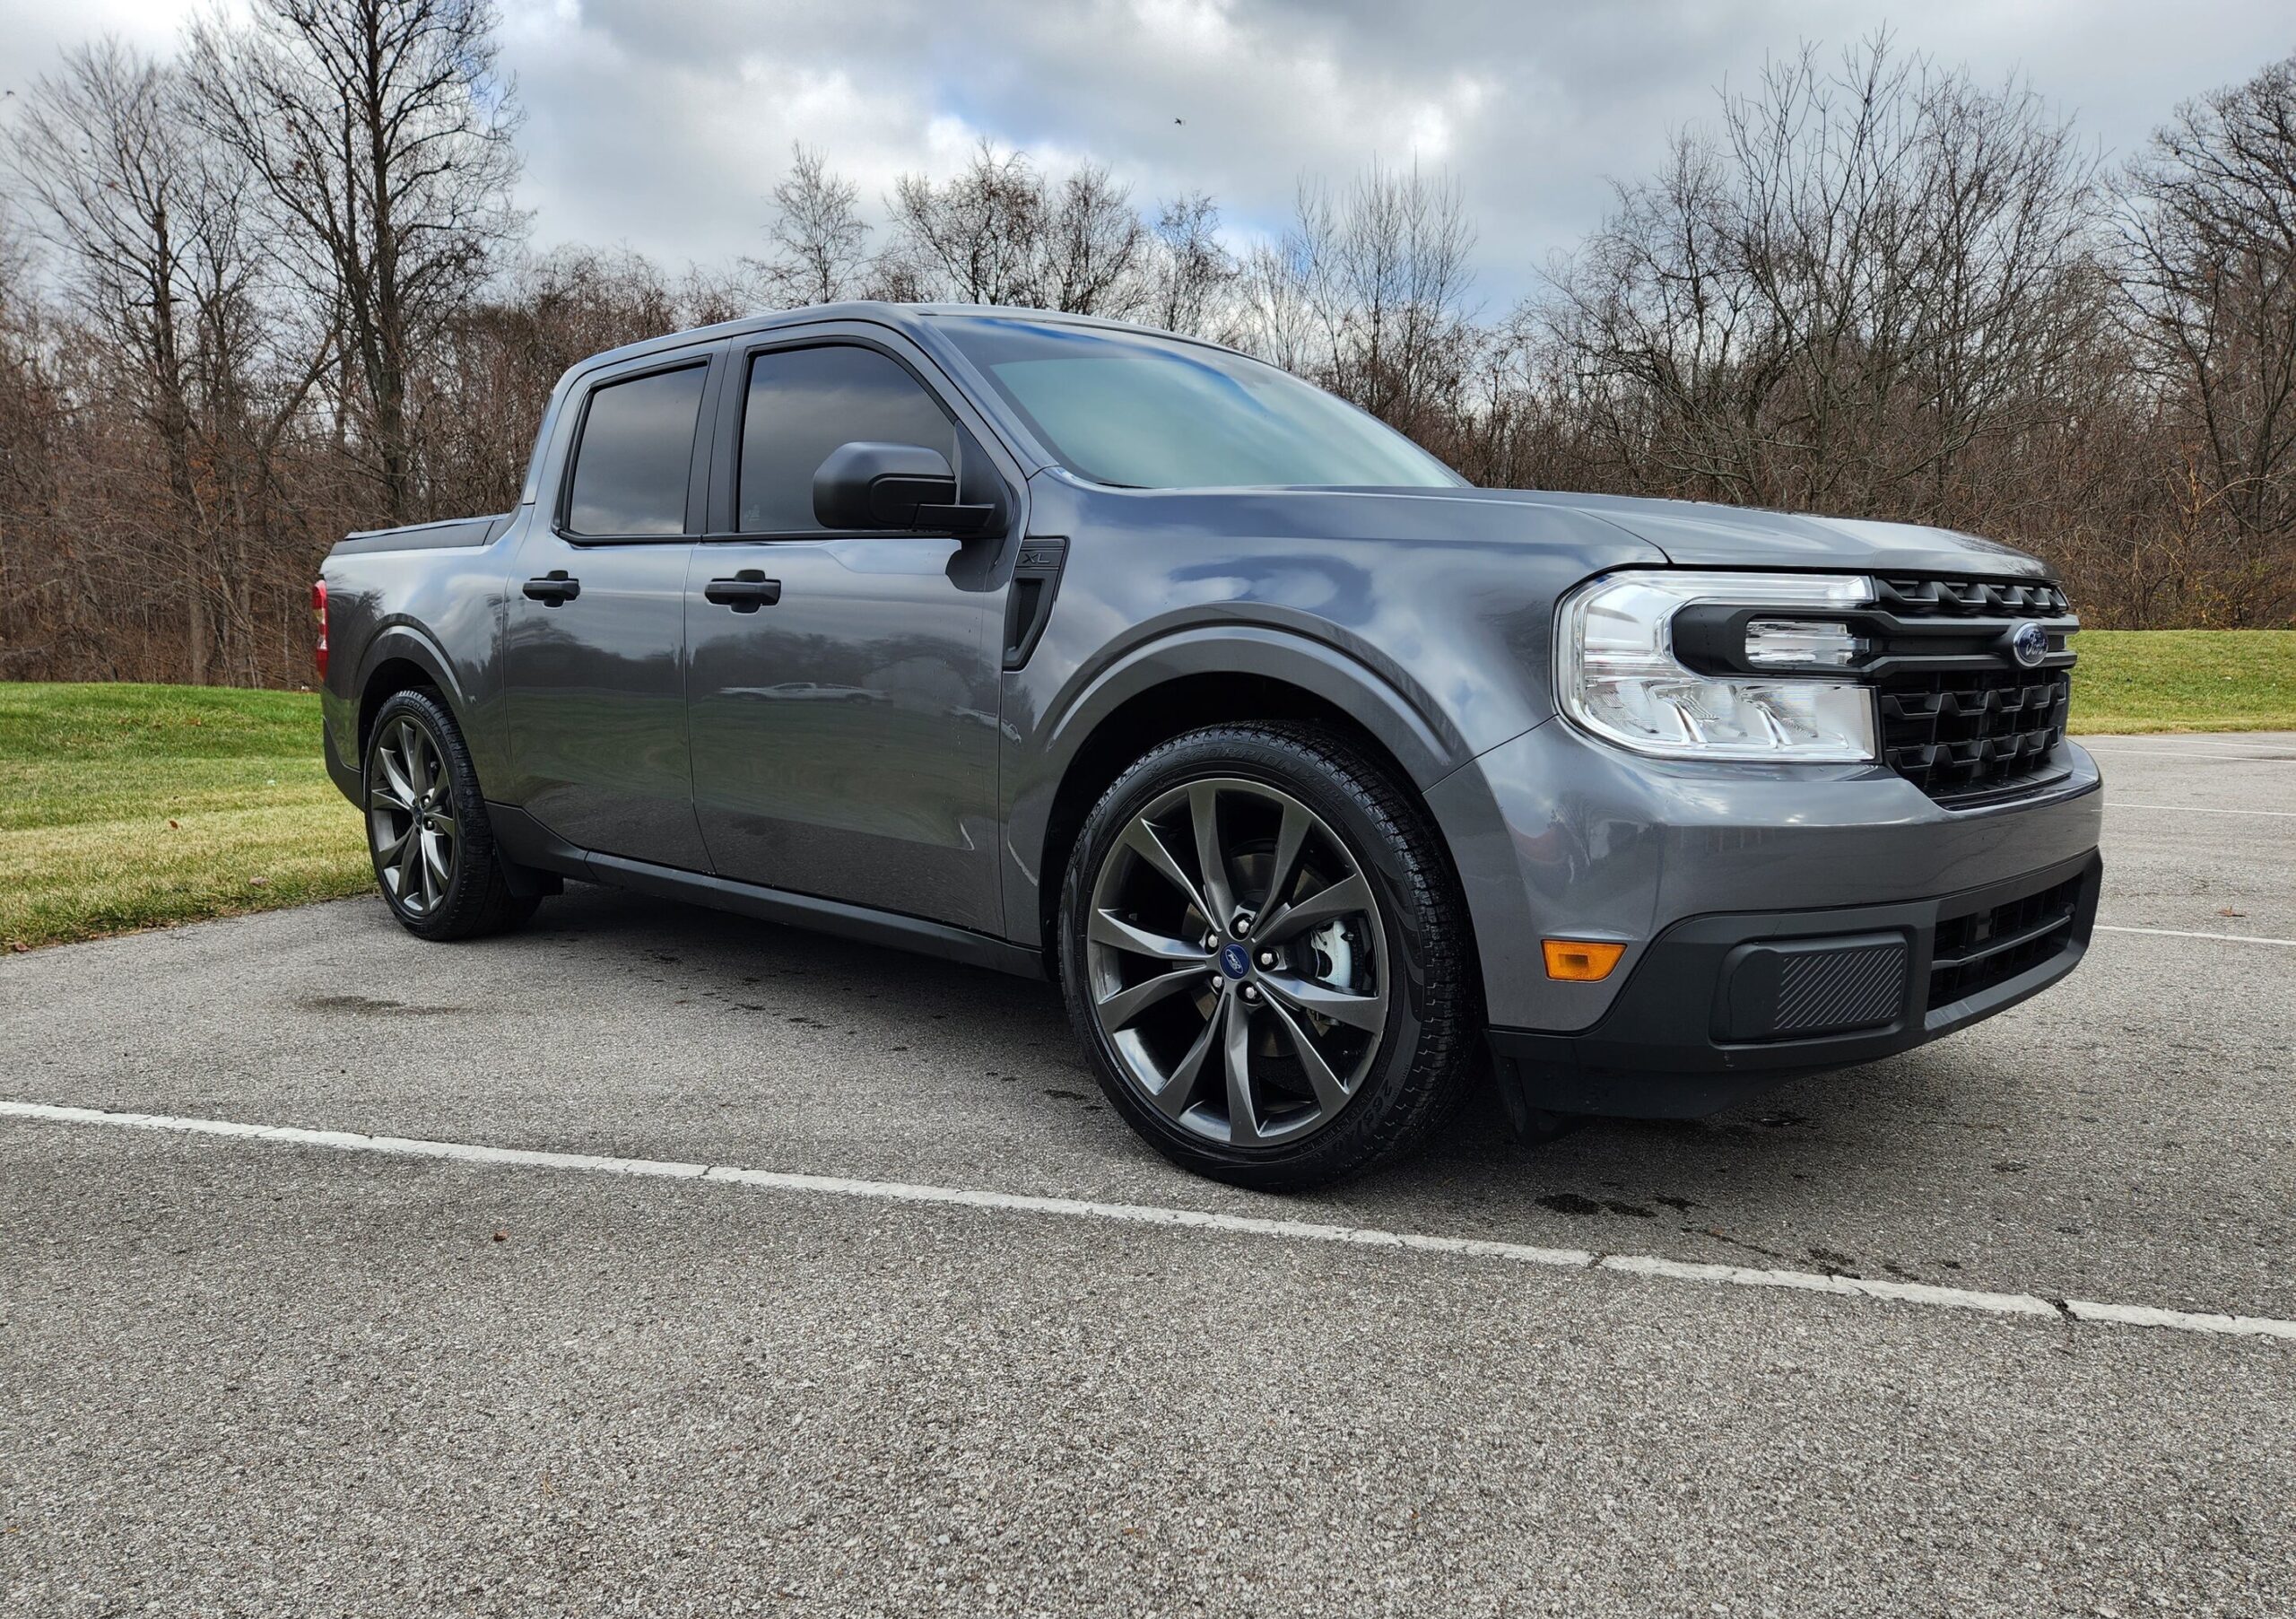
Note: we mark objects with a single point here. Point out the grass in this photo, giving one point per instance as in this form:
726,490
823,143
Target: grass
131,806
2185,680
126,807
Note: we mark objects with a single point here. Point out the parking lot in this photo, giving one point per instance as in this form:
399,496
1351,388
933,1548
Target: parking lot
817,1279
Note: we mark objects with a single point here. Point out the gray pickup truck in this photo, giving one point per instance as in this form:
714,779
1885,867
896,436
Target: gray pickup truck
1309,773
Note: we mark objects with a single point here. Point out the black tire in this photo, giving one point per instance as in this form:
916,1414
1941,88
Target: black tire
473,898
1419,1069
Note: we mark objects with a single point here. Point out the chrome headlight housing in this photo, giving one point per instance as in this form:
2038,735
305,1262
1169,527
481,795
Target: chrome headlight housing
1619,675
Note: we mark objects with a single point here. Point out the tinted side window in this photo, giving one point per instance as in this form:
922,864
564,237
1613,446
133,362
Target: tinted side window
637,449
805,403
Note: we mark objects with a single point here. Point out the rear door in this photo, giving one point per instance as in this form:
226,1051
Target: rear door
594,648
844,731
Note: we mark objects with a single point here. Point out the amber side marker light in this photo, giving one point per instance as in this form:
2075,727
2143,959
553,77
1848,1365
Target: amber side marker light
1580,960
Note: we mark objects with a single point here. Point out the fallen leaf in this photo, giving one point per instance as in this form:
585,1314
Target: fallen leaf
258,882
501,1236
172,826
2229,911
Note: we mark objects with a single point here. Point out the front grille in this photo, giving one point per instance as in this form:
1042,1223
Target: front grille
1960,719
1973,952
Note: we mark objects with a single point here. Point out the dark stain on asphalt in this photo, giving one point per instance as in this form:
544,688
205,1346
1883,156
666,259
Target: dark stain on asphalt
367,1006
1571,1203
1066,1095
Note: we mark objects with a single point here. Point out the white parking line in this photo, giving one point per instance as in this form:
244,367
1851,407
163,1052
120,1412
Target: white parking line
1132,1213
2178,933
2199,809
2212,745
2284,757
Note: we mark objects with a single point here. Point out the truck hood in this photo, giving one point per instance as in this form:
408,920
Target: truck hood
1698,534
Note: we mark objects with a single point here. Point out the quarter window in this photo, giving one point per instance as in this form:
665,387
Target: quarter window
803,404
636,453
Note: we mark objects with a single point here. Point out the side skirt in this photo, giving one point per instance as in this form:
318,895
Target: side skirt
527,841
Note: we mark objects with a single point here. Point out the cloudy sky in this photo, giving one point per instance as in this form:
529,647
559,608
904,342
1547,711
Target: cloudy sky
663,123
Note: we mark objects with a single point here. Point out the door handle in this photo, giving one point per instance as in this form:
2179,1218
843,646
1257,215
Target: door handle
554,589
745,592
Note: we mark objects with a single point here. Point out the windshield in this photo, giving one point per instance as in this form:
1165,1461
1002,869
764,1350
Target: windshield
1143,411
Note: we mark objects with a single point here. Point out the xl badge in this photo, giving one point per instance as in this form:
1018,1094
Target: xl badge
2029,644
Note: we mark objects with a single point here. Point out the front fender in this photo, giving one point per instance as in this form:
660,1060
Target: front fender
1422,741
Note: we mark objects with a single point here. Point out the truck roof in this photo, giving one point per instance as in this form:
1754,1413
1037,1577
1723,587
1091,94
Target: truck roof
910,318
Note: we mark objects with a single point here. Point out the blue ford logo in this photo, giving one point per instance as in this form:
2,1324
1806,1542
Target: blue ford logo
1235,960
2029,644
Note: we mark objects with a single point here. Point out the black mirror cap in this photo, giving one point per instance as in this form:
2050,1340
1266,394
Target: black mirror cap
871,486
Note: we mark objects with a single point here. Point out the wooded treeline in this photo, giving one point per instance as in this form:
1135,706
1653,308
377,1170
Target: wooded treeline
274,287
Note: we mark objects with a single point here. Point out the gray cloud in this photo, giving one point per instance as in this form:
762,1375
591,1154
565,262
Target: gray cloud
663,123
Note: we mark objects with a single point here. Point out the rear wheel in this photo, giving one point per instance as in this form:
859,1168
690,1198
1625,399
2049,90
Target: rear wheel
426,831
1264,953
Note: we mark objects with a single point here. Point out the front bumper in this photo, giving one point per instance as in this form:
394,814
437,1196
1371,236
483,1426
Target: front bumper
1721,1008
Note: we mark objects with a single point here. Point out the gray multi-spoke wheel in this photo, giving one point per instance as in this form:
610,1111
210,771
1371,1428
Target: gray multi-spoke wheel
434,853
1262,950
410,817
1245,989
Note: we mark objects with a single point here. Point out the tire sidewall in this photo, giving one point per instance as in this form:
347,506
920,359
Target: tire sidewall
1314,775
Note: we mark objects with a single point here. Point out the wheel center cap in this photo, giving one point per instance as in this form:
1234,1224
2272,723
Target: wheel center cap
1235,960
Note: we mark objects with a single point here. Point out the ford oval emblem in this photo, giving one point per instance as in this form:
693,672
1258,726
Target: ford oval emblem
1235,960
2029,644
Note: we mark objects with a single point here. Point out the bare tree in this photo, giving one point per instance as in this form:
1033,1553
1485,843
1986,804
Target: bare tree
1094,251
1000,232
146,231
2210,278
1191,274
975,239
1367,293
1828,304
381,135
821,240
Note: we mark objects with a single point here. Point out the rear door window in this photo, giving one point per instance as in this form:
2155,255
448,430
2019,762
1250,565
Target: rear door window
631,468
802,404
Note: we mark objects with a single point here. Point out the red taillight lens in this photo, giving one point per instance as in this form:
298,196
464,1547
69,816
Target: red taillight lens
318,612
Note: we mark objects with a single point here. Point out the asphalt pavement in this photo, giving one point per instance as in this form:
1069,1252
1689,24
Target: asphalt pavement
938,1336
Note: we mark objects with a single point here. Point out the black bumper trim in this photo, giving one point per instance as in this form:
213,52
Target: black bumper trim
1657,1052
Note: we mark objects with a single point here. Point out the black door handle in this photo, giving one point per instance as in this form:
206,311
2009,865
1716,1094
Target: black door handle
554,589
745,592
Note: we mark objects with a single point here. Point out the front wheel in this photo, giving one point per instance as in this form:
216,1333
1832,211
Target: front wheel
427,829
1266,955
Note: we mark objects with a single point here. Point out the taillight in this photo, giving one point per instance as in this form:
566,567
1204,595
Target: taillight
319,613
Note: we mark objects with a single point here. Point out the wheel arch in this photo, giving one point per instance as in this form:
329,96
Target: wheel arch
1183,685
400,660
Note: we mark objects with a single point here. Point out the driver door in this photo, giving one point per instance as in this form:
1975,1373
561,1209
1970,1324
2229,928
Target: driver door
842,687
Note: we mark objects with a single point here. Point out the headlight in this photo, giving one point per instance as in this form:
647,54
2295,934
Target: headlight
1617,672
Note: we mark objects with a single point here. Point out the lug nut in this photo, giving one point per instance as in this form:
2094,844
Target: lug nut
1241,926
1267,958
1251,992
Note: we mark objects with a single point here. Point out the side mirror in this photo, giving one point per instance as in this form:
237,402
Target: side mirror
870,485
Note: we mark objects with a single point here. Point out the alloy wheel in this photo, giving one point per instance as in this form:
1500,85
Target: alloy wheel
1236,964
410,817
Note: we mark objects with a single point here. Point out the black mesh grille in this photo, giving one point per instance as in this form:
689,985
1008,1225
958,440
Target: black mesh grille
1972,733
1973,952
